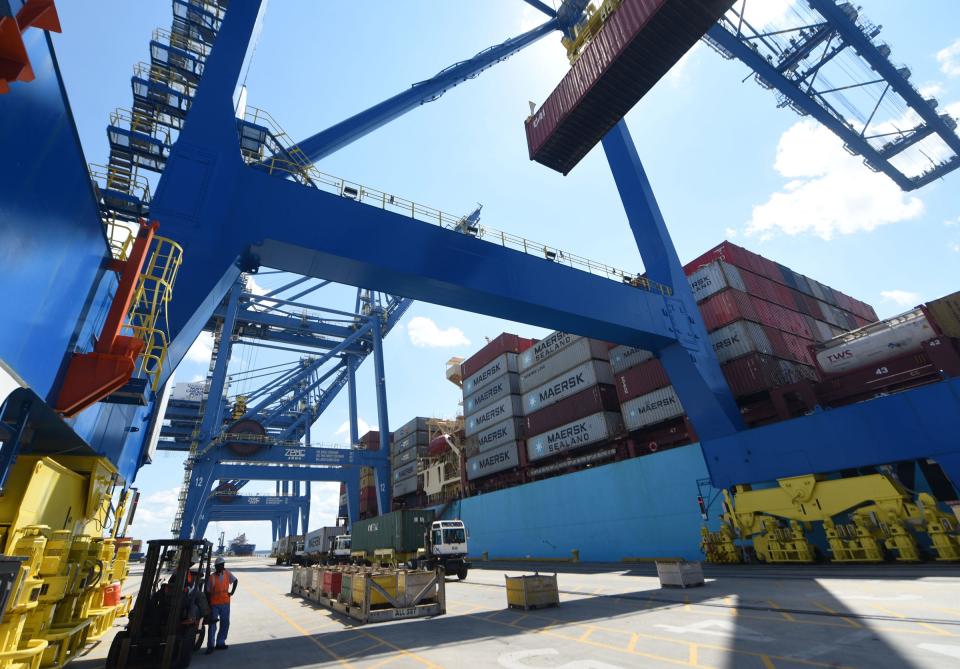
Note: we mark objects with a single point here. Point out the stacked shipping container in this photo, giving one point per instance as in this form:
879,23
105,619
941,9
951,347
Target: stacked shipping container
492,407
410,443
368,486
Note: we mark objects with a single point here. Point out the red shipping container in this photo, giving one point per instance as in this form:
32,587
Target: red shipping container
640,380
585,403
726,251
756,373
636,46
505,343
726,307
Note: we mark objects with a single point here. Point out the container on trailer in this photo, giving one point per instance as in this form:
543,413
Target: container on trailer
418,424
714,277
625,357
634,48
593,400
404,472
569,383
494,460
506,384
503,364
641,380
945,313
577,353
505,343
320,539
493,414
895,336
543,349
652,408
403,531
505,431
405,486
584,431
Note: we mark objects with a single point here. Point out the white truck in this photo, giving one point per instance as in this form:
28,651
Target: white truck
319,545
445,545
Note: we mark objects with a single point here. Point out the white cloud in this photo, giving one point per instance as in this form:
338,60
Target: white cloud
197,378
949,59
427,334
344,430
730,233
530,18
829,192
904,298
202,348
955,247
931,90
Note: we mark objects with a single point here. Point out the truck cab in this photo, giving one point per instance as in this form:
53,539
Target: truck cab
341,548
446,546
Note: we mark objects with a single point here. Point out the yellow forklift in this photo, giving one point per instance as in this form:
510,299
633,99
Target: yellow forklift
166,624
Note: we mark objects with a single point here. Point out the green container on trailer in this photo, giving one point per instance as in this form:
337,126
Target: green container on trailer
402,531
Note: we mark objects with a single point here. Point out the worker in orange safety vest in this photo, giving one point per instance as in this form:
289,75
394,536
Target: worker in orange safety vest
220,587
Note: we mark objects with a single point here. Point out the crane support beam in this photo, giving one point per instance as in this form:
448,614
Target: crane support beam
256,472
546,9
350,130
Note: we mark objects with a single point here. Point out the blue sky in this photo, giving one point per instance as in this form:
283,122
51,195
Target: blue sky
724,162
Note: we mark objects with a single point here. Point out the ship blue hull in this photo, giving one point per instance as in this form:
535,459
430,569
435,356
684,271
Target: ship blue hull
639,508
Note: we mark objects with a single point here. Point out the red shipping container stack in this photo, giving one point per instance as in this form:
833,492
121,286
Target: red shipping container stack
505,343
640,380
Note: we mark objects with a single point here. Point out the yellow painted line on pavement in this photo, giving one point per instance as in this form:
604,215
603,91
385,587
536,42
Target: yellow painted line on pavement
785,615
692,659
767,662
849,621
632,646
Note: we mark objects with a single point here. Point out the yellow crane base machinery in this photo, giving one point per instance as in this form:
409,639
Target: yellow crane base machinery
864,519
61,577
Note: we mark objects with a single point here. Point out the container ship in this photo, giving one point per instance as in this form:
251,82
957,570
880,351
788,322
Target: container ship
240,547
572,446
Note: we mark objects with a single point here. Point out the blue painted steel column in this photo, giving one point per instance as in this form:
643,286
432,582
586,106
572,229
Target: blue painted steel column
352,400
201,482
381,473
352,480
690,362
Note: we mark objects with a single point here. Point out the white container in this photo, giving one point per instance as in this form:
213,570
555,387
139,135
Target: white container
500,365
405,471
188,392
489,416
738,339
875,343
497,435
319,540
577,353
569,383
714,277
679,574
495,460
506,384
546,347
581,432
623,358
405,487
652,408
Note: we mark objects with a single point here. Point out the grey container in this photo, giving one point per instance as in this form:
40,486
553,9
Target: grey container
418,424
507,384
495,460
499,366
407,456
652,408
738,339
504,431
403,531
406,471
543,349
581,432
404,487
569,383
579,352
419,438
623,358
714,277
489,416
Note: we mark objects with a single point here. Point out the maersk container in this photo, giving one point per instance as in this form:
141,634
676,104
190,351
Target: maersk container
404,487
633,49
403,531
872,344
406,471
495,460
543,349
493,414
575,434
505,343
418,424
593,400
652,408
507,384
510,429
641,380
503,364
569,383
740,338
713,278
625,357
579,352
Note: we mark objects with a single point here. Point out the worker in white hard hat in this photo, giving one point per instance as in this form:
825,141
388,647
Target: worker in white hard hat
220,587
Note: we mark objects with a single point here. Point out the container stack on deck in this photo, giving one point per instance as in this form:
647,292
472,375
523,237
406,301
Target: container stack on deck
368,485
410,444
492,407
